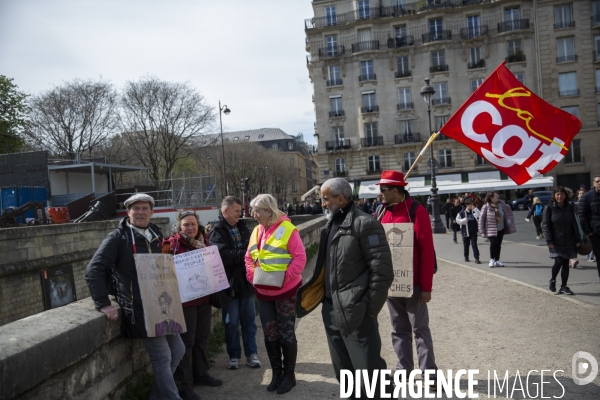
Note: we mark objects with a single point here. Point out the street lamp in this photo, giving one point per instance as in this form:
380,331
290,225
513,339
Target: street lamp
437,226
225,110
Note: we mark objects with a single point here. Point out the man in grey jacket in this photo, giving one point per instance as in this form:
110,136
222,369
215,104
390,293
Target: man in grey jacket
351,278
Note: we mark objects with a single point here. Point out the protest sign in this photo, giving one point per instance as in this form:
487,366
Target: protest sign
400,238
163,311
200,273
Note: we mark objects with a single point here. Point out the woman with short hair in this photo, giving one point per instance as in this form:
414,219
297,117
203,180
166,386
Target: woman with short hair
496,220
275,260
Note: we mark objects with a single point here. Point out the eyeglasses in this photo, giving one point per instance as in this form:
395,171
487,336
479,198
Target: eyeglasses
384,189
184,214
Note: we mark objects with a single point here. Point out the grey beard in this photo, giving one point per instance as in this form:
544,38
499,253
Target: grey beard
329,216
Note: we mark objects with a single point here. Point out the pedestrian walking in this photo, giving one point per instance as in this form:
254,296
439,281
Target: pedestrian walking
496,220
456,208
274,261
536,212
562,236
446,210
468,223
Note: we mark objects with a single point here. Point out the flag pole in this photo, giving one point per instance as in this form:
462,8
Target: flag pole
429,142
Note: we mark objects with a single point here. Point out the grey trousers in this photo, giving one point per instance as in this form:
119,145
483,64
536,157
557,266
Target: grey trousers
409,316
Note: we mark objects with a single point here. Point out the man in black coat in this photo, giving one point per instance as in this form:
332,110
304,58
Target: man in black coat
231,236
588,209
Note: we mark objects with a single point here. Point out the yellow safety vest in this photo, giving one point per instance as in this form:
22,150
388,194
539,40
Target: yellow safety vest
274,254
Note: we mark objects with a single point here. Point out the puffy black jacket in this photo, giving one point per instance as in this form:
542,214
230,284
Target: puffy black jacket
589,211
560,227
361,272
116,254
233,258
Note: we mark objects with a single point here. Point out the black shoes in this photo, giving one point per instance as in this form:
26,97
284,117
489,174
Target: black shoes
467,259
274,354
455,241
552,285
189,395
565,290
477,261
290,352
208,380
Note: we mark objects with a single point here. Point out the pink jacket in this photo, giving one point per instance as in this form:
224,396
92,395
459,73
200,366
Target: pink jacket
293,274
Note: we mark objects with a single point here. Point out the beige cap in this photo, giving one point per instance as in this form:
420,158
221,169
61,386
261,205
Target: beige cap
139,197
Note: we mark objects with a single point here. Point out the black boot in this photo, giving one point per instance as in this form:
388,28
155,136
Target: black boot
290,352
274,353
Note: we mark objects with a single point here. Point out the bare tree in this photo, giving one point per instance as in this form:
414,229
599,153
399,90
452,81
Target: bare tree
77,117
160,118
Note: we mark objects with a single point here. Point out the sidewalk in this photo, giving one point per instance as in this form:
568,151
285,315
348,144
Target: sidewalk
478,321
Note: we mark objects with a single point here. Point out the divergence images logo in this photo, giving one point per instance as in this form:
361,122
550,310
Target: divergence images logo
583,367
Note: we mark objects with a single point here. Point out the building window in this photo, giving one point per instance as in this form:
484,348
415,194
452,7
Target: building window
598,114
514,47
373,164
573,110
438,58
290,146
473,26
340,167
441,90
400,34
406,127
565,50
334,77
330,15
574,153
481,161
371,134
247,137
364,9
336,106
567,84
409,160
368,100
445,158
402,63
338,134
404,97
475,83
294,186
512,18
366,69
475,57
262,135
436,29
595,13
332,48
598,81
563,16
275,146
520,77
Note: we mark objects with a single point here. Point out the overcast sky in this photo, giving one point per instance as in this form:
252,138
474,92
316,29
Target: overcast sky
248,54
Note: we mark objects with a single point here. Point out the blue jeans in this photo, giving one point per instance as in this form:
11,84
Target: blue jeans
165,353
240,311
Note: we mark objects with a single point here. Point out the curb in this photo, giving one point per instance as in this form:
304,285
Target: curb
546,292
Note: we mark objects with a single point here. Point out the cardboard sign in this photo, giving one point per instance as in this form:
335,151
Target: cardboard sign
200,273
163,312
400,237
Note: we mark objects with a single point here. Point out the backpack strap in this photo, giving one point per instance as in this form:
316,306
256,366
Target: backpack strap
413,211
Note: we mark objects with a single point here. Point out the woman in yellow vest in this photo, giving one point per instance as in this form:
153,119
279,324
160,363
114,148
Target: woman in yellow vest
274,263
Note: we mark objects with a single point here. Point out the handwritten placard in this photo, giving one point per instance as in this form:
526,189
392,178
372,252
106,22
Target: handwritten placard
160,294
400,238
200,273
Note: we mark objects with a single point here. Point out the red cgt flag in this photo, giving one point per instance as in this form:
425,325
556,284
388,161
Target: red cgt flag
512,128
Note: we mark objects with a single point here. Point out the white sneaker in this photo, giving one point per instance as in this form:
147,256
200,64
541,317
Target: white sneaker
492,263
252,361
499,264
234,363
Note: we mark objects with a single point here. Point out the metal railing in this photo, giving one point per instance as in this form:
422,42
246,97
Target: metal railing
405,106
402,74
478,64
369,109
396,43
440,101
437,36
561,25
332,51
334,82
438,68
571,57
368,45
574,92
343,144
515,58
371,141
337,114
405,138
474,32
375,170
514,25
367,77
339,173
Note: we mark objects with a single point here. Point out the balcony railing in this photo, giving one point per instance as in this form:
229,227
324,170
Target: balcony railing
404,138
402,74
367,77
437,36
438,68
514,25
371,141
473,32
339,173
440,101
515,58
368,45
334,82
369,109
406,106
343,144
561,25
332,51
574,92
373,170
571,57
396,43
337,114
595,20
478,64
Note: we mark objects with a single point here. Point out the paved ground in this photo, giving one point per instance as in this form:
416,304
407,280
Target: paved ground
481,318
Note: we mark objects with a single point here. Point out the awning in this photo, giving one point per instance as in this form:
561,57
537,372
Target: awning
311,191
368,189
480,186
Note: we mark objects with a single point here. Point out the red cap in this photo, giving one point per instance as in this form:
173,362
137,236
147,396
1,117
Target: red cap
392,178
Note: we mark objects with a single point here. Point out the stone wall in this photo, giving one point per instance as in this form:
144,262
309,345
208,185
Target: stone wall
72,352
26,251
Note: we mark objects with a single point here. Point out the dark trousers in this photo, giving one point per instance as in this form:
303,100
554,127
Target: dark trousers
194,364
562,265
278,319
496,245
537,221
448,221
472,240
596,248
359,350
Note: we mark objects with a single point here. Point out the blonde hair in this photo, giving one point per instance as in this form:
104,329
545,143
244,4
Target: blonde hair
267,202
536,200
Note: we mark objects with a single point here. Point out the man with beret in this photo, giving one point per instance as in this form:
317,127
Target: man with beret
114,261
